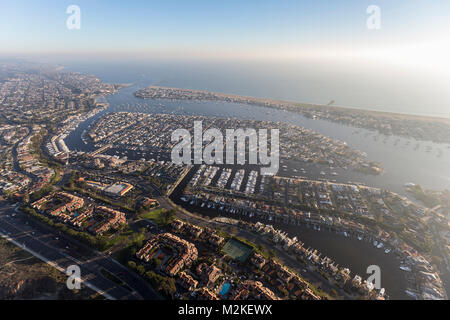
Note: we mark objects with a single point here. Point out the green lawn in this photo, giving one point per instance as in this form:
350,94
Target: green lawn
155,215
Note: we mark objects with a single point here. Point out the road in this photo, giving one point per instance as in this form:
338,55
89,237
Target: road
61,252
16,164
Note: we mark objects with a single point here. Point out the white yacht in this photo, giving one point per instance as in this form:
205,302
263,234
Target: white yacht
405,268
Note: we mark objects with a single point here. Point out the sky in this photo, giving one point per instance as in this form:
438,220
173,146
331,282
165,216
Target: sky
250,29
312,51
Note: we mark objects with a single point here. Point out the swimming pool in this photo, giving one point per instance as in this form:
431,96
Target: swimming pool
225,288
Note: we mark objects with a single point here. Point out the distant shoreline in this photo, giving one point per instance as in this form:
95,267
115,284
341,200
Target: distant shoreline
302,104
419,127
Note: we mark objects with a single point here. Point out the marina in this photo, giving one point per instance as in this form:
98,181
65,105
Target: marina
395,176
401,162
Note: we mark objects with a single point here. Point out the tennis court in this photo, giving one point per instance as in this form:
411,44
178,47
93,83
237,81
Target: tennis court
237,250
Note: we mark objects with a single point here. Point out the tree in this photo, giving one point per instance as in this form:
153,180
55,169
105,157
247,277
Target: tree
131,265
333,292
26,197
41,193
157,263
168,287
167,217
272,254
141,270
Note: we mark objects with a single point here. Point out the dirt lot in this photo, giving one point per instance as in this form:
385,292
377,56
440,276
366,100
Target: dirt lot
24,277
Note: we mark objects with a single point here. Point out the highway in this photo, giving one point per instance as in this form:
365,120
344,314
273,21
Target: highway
61,252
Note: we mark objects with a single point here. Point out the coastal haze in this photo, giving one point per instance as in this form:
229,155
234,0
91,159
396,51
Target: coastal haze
92,92
369,85
297,50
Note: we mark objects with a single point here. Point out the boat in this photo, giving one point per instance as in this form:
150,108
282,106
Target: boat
375,243
387,250
359,237
405,268
380,245
411,294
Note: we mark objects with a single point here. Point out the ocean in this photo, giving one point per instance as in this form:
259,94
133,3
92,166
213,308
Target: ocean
381,88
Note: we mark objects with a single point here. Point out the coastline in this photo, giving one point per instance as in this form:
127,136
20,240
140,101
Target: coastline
307,104
399,124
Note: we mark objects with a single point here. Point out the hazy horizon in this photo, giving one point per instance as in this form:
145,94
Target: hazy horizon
312,52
